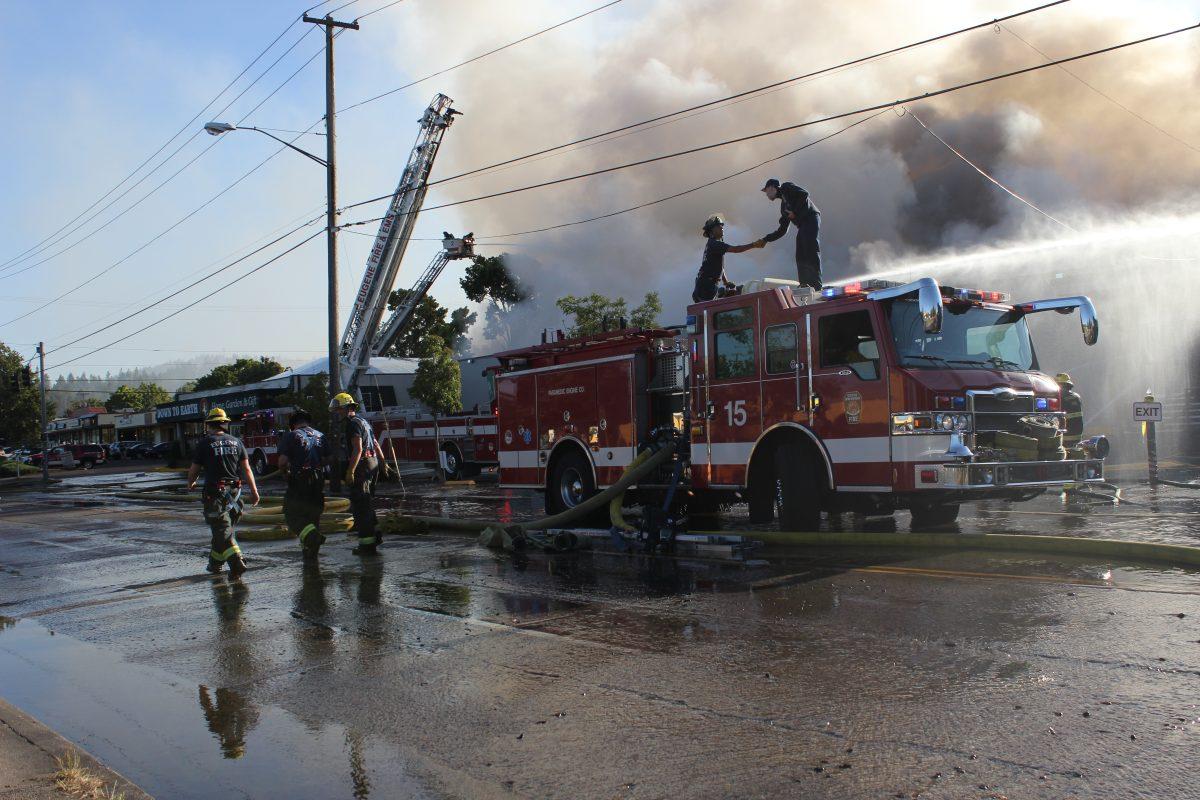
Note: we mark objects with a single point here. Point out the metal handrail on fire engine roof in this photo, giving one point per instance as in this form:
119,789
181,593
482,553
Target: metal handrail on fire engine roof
1065,305
929,300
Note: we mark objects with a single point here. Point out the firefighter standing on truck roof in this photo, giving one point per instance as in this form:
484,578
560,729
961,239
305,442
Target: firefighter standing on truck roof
362,467
303,454
223,458
1072,404
712,268
797,208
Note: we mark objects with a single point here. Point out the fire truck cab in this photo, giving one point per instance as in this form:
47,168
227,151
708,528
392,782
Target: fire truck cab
873,397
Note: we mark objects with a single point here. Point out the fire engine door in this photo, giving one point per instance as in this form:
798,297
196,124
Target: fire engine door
734,406
849,406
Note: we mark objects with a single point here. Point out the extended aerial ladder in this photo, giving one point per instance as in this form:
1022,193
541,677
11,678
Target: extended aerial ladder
452,249
361,338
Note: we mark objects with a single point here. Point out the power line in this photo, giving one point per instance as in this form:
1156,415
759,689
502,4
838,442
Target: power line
178,292
161,320
758,90
1107,97
164,145
984,172
376,11
480,56
788,128
685,191
67,230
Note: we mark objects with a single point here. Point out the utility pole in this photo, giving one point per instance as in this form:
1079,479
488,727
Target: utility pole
335,373
45,433
335,369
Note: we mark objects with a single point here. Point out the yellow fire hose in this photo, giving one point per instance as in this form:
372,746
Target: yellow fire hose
614,507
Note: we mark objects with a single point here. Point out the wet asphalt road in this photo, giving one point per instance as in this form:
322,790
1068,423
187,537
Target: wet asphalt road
446,670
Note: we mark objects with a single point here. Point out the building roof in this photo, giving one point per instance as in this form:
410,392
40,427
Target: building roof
378,366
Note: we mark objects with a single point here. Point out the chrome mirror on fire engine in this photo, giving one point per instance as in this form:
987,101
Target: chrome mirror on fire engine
929,300
1088,320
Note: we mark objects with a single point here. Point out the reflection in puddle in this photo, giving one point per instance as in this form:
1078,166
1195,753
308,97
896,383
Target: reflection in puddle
230,716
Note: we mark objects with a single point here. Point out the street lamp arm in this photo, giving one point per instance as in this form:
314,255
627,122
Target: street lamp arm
320,161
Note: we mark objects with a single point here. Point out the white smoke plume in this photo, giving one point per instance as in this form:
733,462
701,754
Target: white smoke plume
889,193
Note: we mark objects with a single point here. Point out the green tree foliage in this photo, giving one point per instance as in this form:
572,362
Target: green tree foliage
244,370
488,280
590,313
86,402
142,397
438,380
430,319
313,398
19,408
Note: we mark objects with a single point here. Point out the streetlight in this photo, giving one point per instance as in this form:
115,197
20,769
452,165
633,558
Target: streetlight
335,374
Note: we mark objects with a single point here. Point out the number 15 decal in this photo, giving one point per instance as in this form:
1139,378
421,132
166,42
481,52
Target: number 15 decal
735,412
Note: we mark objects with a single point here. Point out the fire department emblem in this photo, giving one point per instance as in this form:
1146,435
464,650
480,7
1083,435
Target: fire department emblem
508,437
852,402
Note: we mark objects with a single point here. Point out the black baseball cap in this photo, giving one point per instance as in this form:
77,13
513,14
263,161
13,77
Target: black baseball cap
771,182
297,417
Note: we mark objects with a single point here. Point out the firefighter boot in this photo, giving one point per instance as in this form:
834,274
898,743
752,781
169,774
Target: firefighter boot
310,542
367,546
237,565
215,566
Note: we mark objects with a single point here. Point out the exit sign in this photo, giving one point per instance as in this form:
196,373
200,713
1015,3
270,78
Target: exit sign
1147,412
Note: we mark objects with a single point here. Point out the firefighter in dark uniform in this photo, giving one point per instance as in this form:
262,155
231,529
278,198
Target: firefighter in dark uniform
797,208
303,454
362,468
712,268
226,472
1072,404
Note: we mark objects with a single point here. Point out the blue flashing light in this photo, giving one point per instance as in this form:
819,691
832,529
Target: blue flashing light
960,402
1042,404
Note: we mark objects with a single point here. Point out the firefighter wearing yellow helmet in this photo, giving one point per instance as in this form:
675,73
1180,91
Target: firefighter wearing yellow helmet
1072,404
362,469
226,469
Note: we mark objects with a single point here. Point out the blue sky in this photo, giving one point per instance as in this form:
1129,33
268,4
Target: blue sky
93,88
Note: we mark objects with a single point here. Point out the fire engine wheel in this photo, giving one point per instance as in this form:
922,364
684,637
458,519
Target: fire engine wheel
570,483
933,516
797,490
259,464
453,464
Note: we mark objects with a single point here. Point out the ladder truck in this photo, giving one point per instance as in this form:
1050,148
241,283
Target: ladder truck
460,443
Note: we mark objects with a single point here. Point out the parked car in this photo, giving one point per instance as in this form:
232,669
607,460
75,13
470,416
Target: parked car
124,449
162,450
71,456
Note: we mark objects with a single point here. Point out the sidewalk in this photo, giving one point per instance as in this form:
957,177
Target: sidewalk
28,753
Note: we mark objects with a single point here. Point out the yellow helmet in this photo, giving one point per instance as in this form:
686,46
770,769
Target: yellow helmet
217,415
1063,377
342,400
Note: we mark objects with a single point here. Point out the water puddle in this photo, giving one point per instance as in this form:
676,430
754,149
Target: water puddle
180,740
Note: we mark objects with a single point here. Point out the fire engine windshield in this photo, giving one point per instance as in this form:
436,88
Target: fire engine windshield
971,336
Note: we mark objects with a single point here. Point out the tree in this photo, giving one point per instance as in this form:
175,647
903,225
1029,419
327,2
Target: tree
242,371
595,312
143,397
489,280
429,319
313,398
438,380
19,407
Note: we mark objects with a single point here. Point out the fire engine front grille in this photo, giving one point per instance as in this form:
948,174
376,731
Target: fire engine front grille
999,411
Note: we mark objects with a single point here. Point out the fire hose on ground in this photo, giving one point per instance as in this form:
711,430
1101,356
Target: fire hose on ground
524,534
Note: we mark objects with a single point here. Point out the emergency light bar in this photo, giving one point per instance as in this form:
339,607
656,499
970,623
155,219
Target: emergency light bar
858,287
975,295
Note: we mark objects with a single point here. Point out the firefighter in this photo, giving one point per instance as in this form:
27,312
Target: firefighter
1072,403
797,208
712,268
223,459
362,467
303,454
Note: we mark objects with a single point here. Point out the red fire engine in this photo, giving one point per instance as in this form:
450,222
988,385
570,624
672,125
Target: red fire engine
467,442
868,397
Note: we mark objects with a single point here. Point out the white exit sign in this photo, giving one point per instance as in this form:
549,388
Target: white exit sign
1147,412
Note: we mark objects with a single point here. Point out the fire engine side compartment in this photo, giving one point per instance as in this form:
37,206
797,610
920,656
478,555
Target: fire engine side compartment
516,398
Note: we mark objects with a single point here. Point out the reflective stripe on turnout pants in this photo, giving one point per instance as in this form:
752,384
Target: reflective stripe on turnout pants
361,492
223,508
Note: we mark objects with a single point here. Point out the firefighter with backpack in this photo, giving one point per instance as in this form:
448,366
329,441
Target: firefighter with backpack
303,454
362,470
226,469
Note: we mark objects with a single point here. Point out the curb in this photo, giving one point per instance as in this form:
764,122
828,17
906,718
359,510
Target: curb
55,746
1177,555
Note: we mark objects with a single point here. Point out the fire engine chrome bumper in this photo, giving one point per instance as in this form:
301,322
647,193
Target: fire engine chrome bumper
994,474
